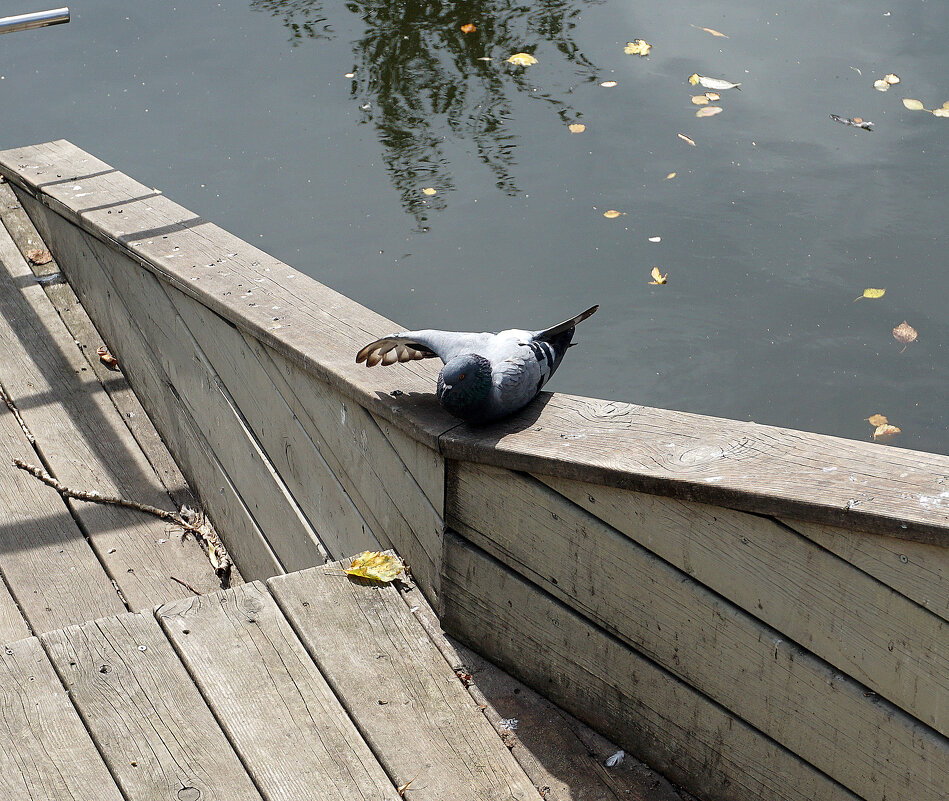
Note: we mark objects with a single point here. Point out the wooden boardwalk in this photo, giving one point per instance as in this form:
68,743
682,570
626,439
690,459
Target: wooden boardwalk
65,562
312,686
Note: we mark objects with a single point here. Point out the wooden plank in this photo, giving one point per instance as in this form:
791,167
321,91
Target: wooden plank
915,569
86,445
319,329
82,257
13,625
290,731
148,720
383,487
826,718
214,411
812,597
425,464
45,752
308,477
678,731
48,565
396,682
88,339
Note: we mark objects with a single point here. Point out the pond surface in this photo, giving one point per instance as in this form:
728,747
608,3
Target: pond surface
777,217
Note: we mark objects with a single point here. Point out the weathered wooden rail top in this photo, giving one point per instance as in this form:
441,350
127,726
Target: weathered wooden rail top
756,612
741,465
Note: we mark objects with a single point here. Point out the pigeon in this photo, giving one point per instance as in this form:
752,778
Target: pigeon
486,376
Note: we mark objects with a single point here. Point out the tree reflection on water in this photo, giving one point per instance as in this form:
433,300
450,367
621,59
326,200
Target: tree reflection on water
422,82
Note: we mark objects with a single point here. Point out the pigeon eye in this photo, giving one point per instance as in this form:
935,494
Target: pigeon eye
461,377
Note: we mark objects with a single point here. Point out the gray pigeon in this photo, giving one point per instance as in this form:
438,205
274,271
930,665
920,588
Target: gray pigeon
486,376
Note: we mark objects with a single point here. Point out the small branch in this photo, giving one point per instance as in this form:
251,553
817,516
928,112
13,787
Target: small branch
16,413
95,497
184,584
202,531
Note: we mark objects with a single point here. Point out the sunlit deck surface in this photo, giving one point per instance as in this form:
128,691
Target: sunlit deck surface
126,671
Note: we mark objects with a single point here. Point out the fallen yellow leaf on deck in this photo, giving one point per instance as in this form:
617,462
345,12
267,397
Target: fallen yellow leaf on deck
612,214
638,47
576,127
107,358
39,257
877,420
913,105
384,567
871,293
657,277
522,59
468,28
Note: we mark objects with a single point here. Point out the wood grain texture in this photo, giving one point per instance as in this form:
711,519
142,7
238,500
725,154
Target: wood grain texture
800,701
309,479
147,718
88,339
380,483
45,752
415,714
859,625
677,730
85,260
293,736
85,444
915,569
13,625
317,328
48,565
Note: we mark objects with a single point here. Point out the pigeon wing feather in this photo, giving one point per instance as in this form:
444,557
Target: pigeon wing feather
407,346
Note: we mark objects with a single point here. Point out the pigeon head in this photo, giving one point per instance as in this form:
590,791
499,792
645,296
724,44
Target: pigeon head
464,386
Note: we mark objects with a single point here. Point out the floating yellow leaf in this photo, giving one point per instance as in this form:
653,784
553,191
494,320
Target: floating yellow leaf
350,75
522,59
905,333
877,420
468,28
913,104
713,96
638,47
700,100
871,293
881,85
886,430
576,127
708,111
376,565
428,190
941,112
657,277
612,214
718,84
608,84
655,239
891,78
711,31
685,138
670,176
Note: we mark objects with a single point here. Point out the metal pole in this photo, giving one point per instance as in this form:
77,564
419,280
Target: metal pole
38,19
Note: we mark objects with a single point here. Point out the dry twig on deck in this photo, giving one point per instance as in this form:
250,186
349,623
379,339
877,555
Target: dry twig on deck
196,525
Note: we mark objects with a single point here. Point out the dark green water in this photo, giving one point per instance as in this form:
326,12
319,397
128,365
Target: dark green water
776,220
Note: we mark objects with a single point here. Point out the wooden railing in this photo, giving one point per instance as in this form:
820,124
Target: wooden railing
760,613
